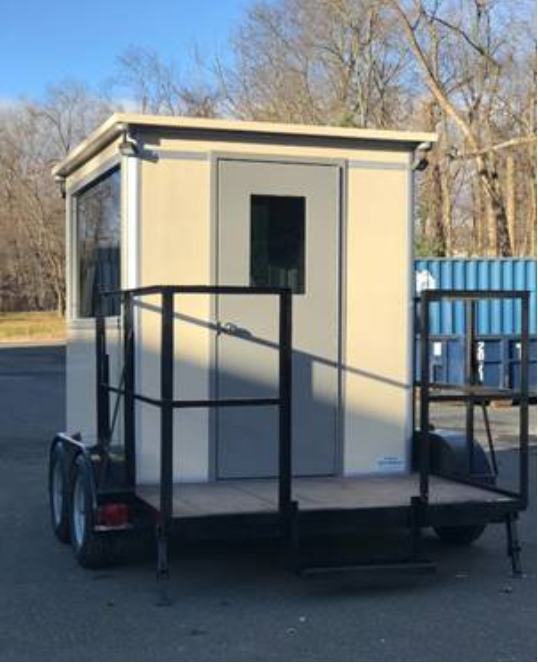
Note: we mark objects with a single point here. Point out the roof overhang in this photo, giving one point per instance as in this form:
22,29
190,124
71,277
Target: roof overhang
118,123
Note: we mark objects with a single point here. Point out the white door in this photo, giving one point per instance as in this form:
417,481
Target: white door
278,225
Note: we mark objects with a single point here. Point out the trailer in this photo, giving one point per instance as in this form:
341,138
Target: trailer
236,364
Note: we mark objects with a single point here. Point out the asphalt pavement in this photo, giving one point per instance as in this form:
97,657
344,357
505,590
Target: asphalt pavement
232,601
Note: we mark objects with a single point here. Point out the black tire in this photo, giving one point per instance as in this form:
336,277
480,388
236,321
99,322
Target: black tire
459,535
91,549
59,494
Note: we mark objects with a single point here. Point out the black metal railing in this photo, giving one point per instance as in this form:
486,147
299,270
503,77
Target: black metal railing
471,393
166,401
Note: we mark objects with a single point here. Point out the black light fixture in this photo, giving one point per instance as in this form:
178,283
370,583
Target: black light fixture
60,181
421,158
127,145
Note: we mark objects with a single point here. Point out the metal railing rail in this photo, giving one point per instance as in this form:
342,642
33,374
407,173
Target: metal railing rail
471,393
166,402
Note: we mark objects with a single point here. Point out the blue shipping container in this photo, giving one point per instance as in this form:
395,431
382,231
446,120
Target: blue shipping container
494,318
498,322
499,361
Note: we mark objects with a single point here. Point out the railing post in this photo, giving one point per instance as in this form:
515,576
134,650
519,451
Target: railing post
524,404
414,381
285,415
424,451
470,378
101,376
167,396
167,428
129,386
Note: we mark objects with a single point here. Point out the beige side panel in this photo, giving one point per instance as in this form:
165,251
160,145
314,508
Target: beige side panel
174,147
377,345
175,249
80,380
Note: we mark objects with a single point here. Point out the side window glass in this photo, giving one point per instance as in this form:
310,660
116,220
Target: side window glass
98,215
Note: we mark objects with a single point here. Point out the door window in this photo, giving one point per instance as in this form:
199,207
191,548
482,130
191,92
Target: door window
277,242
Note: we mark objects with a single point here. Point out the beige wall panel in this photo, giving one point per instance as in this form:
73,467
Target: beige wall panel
80,379
175,249
163,143
377,347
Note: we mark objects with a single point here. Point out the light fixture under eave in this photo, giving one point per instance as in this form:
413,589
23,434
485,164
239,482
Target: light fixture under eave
60,181
421,159
127,145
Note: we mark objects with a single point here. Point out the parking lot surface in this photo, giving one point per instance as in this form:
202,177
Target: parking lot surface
234,601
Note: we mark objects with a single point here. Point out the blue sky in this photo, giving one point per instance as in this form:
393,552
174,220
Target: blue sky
45,41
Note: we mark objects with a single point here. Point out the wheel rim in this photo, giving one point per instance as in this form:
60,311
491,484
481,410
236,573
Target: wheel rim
79,511
57,493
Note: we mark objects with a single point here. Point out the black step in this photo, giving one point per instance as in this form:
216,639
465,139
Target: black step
413,566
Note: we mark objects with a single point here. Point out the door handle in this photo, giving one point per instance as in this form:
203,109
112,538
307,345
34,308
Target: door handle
233,330
230,328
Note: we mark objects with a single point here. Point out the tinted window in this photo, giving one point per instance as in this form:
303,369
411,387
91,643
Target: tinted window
98,243
277,241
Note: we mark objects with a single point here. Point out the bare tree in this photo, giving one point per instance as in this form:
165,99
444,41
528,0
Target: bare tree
317,61
461,53
33,135
463,68
156,86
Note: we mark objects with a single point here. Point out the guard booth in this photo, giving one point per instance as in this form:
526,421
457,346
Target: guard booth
175,201
237,257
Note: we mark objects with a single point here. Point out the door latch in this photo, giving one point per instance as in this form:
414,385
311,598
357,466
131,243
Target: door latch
233,330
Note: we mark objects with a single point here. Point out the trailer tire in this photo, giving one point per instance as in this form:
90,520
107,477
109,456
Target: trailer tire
91,549
59,493
459,535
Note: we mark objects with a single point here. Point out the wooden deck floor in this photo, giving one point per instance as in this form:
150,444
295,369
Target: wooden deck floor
260,496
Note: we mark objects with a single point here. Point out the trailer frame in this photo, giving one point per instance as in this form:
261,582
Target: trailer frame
114,482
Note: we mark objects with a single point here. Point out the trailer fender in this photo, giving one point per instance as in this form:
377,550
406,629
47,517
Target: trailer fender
75,448
449,456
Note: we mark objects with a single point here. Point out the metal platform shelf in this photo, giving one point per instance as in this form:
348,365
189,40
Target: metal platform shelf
313,494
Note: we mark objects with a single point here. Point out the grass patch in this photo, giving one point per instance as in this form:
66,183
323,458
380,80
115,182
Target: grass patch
31,326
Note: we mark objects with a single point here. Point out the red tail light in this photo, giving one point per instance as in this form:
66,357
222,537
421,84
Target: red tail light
113,515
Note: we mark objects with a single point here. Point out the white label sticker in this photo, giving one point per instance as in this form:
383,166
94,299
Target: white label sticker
424,280
480,357
390,463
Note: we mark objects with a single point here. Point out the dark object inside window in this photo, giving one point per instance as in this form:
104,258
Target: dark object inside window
98,213
277,242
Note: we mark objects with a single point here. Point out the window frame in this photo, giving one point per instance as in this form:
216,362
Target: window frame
302,290
73,295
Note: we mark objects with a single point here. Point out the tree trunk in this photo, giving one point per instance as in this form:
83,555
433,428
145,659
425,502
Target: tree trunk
499,241
491,228
477,214
446,210
436,229
511,201
530,234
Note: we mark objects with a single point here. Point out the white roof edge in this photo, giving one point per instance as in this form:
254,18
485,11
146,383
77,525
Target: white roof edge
113,126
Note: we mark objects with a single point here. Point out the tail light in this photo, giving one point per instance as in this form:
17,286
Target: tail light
113,515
